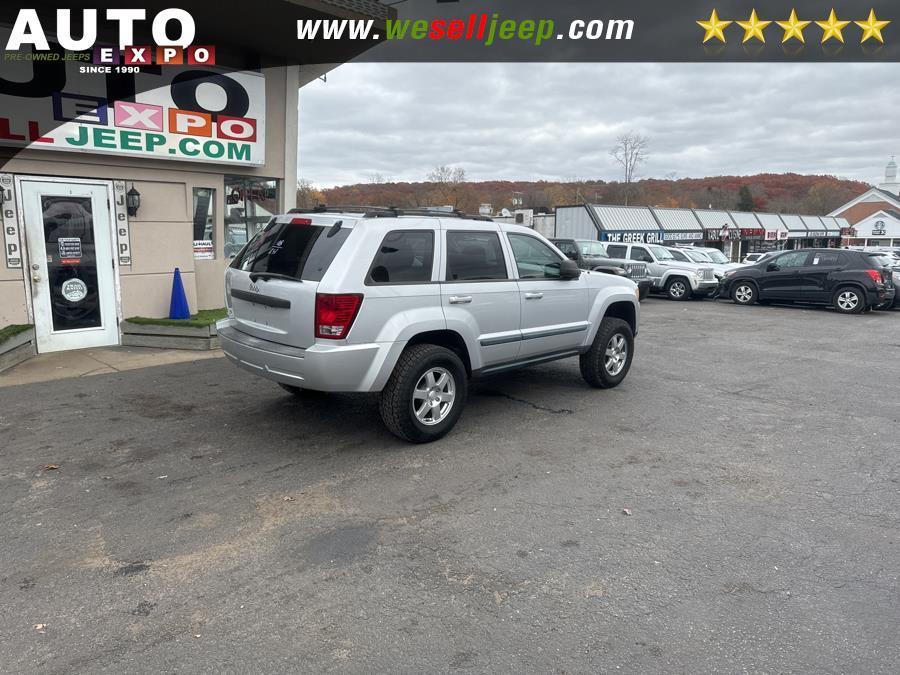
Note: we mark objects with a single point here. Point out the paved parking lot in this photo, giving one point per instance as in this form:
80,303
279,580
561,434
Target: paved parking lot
201,520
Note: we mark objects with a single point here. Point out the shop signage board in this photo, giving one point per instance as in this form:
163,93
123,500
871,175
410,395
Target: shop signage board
180,113
9,217
684,236
653,237
753,233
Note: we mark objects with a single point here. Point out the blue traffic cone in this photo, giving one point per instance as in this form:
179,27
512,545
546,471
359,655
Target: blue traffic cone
178,307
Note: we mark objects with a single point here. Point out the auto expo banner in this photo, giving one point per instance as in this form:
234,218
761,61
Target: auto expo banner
185,112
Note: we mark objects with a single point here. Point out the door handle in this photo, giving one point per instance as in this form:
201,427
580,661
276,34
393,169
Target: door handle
534,296
460,299
36,277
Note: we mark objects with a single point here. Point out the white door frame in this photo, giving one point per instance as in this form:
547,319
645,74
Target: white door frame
26,253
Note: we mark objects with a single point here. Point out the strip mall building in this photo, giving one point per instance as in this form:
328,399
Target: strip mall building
209,159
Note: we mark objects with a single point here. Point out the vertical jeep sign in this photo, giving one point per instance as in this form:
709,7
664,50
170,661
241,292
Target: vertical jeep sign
10,219
120,211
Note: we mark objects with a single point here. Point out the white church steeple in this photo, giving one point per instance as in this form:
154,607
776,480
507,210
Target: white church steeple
890,183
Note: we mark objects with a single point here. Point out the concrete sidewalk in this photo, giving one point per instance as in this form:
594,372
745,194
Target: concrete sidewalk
85,362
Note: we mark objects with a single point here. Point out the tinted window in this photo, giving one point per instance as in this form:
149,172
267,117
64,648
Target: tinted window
569,248
795,259
827,258
534,259
616,251
404,257
678,255
474,256
638,253
299,251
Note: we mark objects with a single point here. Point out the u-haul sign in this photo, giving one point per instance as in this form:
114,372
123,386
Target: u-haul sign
180,113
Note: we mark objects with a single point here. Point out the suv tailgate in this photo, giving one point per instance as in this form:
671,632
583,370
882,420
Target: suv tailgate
271,285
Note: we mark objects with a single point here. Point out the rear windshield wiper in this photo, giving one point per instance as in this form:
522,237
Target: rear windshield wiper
256,276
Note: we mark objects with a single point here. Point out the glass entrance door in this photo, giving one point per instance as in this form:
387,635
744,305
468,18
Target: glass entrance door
70,264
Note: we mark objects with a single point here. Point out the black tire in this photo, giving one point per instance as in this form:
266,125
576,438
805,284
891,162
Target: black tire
678,288
744,293
595,367
844,302
397,398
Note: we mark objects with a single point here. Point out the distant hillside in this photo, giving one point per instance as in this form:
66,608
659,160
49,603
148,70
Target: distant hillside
781,193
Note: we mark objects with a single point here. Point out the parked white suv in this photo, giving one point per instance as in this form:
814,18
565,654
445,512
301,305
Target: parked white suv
704,256
412,305
678,280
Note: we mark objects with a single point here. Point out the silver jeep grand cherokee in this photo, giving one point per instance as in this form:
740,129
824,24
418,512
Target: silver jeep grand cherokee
413,304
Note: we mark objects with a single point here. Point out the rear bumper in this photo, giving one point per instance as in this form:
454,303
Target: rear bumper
321,367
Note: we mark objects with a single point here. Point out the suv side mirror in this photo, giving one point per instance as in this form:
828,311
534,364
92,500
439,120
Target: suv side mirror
572,255
568,269
772,267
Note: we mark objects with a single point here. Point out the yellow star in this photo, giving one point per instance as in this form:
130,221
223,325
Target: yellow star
713,27
793,27
871,27
753,27
832,28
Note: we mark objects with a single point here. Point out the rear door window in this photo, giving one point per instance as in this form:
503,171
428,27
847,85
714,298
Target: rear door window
404,257
617,251
827,259
474,256
301,251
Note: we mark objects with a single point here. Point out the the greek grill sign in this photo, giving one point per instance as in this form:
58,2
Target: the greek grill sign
633,237
183,113
10,219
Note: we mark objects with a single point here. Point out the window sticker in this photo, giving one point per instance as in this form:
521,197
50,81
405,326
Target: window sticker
69,250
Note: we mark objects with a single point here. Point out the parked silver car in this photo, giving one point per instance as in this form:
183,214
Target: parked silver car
678,280
412,305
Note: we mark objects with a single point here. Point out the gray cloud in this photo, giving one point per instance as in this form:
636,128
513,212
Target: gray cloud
557,121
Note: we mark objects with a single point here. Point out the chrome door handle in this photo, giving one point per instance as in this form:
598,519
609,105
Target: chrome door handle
534,296
460,299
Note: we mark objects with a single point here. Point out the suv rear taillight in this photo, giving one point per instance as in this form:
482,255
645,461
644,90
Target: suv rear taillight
335,314
875,275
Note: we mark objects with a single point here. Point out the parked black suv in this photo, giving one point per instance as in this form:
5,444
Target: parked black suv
592,255
850,281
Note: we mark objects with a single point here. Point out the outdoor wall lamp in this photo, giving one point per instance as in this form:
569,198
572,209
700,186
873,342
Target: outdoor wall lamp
132,201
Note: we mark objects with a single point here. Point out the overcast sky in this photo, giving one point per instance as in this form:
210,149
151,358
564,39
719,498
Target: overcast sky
558,121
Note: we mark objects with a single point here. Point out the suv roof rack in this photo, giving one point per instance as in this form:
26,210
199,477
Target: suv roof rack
391,212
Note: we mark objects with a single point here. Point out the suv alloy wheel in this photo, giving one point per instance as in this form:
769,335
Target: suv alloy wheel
678,289
849,300
607,362
744,293
425,395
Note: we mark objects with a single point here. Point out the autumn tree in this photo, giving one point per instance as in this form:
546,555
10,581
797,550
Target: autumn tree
449,183
629,152
745,199
308,195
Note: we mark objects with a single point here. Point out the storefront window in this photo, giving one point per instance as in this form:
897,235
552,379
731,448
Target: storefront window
204,217
249,204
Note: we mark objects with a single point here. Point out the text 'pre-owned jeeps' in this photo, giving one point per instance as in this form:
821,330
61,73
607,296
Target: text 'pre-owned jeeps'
413,305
